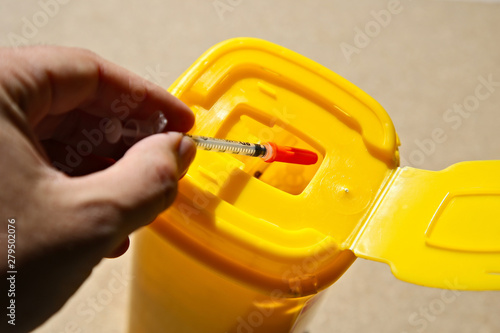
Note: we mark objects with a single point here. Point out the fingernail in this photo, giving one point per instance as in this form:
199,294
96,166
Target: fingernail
187,152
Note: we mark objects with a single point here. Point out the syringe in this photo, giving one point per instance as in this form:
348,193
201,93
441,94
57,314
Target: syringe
269,152
135,129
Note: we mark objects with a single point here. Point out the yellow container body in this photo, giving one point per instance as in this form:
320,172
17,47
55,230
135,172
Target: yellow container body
249,246
183,295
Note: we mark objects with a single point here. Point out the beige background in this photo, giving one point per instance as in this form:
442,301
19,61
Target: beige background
426,59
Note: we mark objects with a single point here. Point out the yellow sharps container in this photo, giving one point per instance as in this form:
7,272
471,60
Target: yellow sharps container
248,246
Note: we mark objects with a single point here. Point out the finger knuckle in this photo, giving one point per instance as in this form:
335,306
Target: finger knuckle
101,216
165,173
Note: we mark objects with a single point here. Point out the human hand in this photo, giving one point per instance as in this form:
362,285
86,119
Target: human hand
54,103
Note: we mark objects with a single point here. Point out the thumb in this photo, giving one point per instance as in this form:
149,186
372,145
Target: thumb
143,182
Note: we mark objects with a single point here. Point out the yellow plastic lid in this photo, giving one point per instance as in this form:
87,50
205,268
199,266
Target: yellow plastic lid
439,228
298,228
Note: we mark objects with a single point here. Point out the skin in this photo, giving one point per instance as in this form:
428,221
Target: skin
66,222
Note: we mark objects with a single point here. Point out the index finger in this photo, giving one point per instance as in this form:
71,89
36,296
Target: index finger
49,81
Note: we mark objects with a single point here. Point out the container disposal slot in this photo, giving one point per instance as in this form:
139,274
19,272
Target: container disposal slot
248,125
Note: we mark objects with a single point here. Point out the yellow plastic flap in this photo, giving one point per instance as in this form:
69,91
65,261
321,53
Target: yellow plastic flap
438,229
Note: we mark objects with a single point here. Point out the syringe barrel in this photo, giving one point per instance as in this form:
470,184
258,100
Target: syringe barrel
229,146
